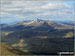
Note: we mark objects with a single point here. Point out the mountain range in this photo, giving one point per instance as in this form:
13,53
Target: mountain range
36,24
39,37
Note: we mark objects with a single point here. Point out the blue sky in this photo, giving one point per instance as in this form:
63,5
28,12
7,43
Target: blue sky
70,3
12,11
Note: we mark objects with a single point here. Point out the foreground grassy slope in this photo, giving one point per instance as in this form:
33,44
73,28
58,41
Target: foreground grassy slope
8,50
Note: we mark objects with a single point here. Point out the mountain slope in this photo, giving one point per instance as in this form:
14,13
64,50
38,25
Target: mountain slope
37,25
58,25
39,37
8,50
29,25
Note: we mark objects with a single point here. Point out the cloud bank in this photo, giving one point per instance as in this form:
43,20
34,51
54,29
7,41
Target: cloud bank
52,10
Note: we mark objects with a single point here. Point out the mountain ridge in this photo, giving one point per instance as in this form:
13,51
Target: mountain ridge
36,23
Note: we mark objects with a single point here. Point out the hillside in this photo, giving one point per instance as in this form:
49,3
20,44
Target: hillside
39,37
8,50
34,41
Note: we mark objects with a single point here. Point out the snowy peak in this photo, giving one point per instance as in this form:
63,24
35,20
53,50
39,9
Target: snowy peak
33,22
37,20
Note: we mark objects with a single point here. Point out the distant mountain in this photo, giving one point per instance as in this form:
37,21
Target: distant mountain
27,25
3,25
42,24
69,23
59,25
32,22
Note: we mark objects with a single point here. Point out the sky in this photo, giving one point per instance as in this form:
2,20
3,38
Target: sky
15,10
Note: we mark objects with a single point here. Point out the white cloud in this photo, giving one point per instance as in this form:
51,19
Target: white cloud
55,6
25,9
